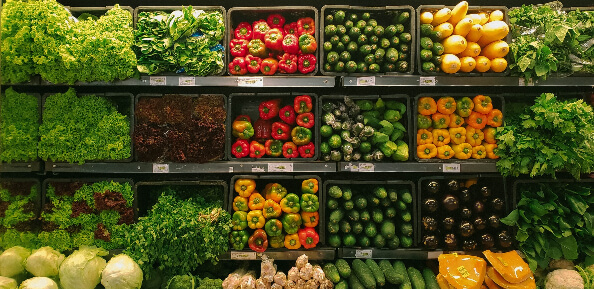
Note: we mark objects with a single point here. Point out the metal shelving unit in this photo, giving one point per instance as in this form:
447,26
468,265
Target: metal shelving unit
417,80
411,167
20,167
313,254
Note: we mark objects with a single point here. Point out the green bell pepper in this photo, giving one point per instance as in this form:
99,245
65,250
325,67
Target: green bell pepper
239,220
309,203
290,203
273,227
277,241
301,136
291,223
239,239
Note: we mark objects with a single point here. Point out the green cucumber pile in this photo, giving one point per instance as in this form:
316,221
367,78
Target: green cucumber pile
359,42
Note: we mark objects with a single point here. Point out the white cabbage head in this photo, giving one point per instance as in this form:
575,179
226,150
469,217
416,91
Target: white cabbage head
82,269
39,283
44,262
12,261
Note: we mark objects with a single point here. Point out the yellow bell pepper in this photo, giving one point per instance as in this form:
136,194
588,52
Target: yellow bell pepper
457,135
245,187
441,137
427,151
491,151
490,135
474,136
256,219
479,152
240,204
292,241
462,151
424,137
445,152
456,120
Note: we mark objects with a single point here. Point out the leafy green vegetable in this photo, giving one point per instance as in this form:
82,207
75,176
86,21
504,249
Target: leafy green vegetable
18,214
19,126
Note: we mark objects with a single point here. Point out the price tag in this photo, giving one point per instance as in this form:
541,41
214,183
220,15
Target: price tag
230,169
237,255
160,168
257,169
427,81
434,254
366,81
451,168
523,82
366,167
363,254
280,167
187,81
158,80
250,81
354,167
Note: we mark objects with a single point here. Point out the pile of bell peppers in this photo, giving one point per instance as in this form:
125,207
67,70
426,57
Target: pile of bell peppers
273,45
461,128
274,217
279,131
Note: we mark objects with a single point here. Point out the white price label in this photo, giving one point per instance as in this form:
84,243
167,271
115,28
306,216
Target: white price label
160,168
451,168
427,81
354,167
158,80
230,169
364,254
280,167
250,81
238,255
434,254
366,167
366,81
258,169
522,82
187,81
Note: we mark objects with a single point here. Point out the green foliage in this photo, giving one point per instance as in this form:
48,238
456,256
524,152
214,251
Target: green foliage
16,217
19,126
59,240
12,238
76,129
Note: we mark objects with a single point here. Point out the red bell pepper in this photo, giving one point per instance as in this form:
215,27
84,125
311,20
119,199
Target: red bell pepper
258,241
307,151
302,104
291,28
243,31
306,25
287,114
306,63
291,44
308,237
253,63
281,131
274,148
238,47
244,117
274,39
305,120
269,108
257,150
269,66
290,150
259,29
262,129
275,21
241,148
307,44
256,47
288,63
238,66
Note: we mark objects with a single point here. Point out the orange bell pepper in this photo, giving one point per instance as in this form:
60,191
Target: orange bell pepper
491,151
462,151
441,137
310,219
479,152
440,120
457,135
427,151
275,192
427,106
490,135
495,118
245,187
240,204
256,201
477,120
271,209
482,104
445,152
292,241
446,105
424,137
456,120
474,136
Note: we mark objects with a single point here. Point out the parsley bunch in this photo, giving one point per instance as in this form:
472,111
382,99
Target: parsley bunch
19,126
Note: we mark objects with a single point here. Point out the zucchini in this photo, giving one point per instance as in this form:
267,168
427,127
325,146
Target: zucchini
416,278
380,279
355,283
331,273
400,268
343,268
364,274
430,280
343,285
391,276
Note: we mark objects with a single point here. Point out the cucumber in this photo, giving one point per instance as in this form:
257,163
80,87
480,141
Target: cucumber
416,278
364,274
380,279
400,269
343,268
342,285
331,273
430,279
355,283
391,275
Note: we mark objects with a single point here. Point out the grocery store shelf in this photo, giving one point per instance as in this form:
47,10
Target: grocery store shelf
213,167
313,254
374,253
411,167
20,167
416,80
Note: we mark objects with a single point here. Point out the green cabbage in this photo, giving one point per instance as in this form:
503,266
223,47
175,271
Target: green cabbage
7,283
12,261
39,283
82,269
181,282
121,272
44,262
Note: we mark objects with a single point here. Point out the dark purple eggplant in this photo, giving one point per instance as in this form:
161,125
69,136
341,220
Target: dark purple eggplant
430,242
479,223
469,245
453,186
465,195
450,202
466,229
485,192
466,213
451,241
432,187
430,205
478,207
487,241
497,204
505,239
494,221
448,223
429,224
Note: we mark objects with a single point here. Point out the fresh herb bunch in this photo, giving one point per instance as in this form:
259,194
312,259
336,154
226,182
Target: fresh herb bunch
18,208
19,126
547,137
554,221
183,41
77,129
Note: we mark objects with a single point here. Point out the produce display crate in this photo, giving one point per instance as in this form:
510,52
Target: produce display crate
471,10
293,185
495,182
498,103
169,9
378,252
384,13
159,95
407,119
237,15
124,103
247,103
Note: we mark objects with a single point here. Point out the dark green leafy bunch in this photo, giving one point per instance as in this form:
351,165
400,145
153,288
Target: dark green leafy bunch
18,210
19,126
77,129
554,221
182,41
549,136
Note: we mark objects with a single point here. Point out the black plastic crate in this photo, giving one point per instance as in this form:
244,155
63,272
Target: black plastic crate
237,15
247,104
471,10
498,190
352,183
407,119
498,103
385,14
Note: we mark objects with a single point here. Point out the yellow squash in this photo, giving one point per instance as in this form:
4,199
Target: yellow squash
472,50
496,49
445,28
454,44
441,16
463,27
459,12
493,31
475,33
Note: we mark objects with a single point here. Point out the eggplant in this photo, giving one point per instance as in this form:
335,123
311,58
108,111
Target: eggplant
478,207
494,221
429,224
448,223
451,241
479,223
453,186
465,195
466,229
432,187
450,202
487,241
485,192
505,239
430,242
430,205
497,204
469,245
466,213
